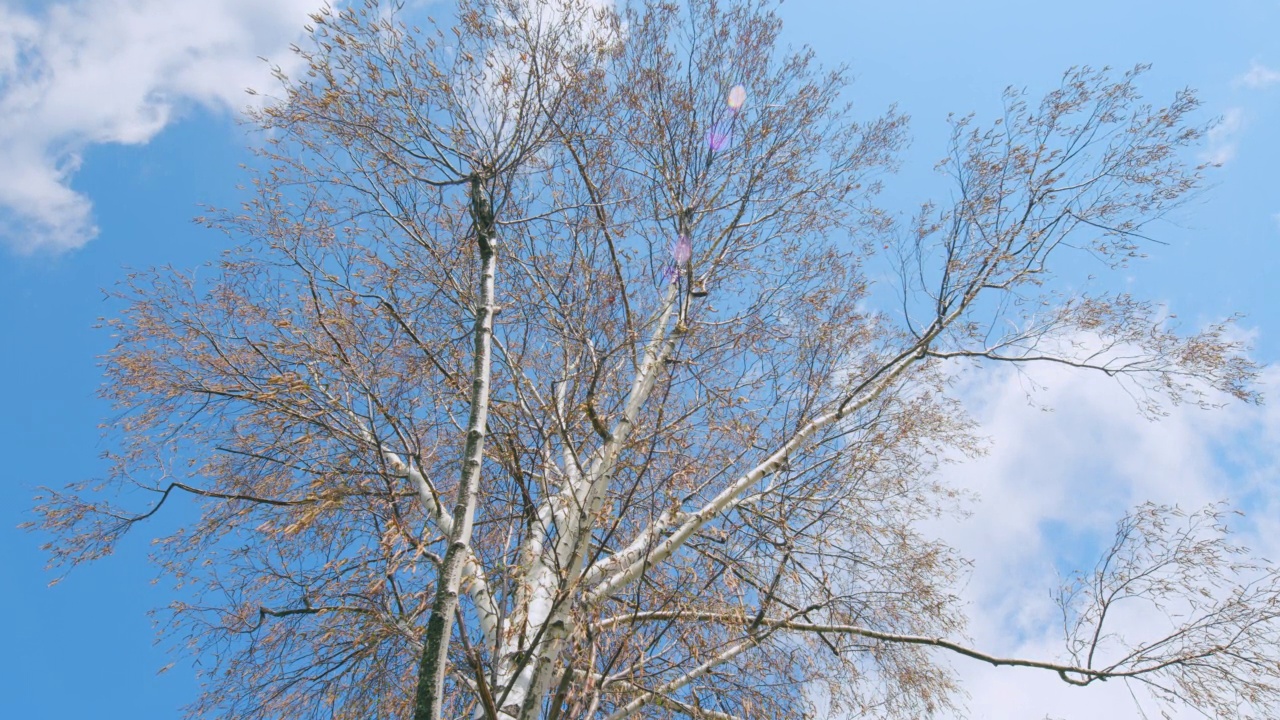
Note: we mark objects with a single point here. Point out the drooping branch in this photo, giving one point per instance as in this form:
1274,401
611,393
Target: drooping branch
1082,676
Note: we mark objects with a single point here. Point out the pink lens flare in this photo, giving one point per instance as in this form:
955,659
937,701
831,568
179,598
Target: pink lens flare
718,138
737,96
682,250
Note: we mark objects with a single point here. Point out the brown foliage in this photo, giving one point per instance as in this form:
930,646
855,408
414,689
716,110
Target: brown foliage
700,480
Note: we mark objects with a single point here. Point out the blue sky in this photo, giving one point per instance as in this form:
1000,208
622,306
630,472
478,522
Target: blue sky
118,119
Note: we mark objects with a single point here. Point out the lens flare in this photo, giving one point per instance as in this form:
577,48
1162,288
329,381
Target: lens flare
682,250
737,96
718,138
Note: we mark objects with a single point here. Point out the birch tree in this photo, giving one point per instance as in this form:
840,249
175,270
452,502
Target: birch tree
545,382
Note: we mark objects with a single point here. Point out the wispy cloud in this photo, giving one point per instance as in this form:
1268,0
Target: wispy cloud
1224,138
1051,489
85,72
1258,76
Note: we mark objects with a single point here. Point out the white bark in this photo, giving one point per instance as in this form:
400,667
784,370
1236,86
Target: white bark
732,495
658,693
473,578
430,692
572,510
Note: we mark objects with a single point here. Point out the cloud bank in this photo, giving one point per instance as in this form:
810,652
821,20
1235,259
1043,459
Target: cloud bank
85,72
1050,492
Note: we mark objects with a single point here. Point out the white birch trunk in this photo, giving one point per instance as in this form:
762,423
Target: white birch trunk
545,623
430,693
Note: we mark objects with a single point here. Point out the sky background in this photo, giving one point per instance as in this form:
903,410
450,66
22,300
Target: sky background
119,118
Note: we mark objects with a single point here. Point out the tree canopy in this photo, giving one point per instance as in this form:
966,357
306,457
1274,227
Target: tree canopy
546,382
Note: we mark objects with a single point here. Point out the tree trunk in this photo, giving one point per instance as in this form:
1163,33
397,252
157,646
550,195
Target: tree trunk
429,697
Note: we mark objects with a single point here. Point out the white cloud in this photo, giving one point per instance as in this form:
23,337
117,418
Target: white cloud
575,24
1224,138
1259,76
1051,490
84,72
